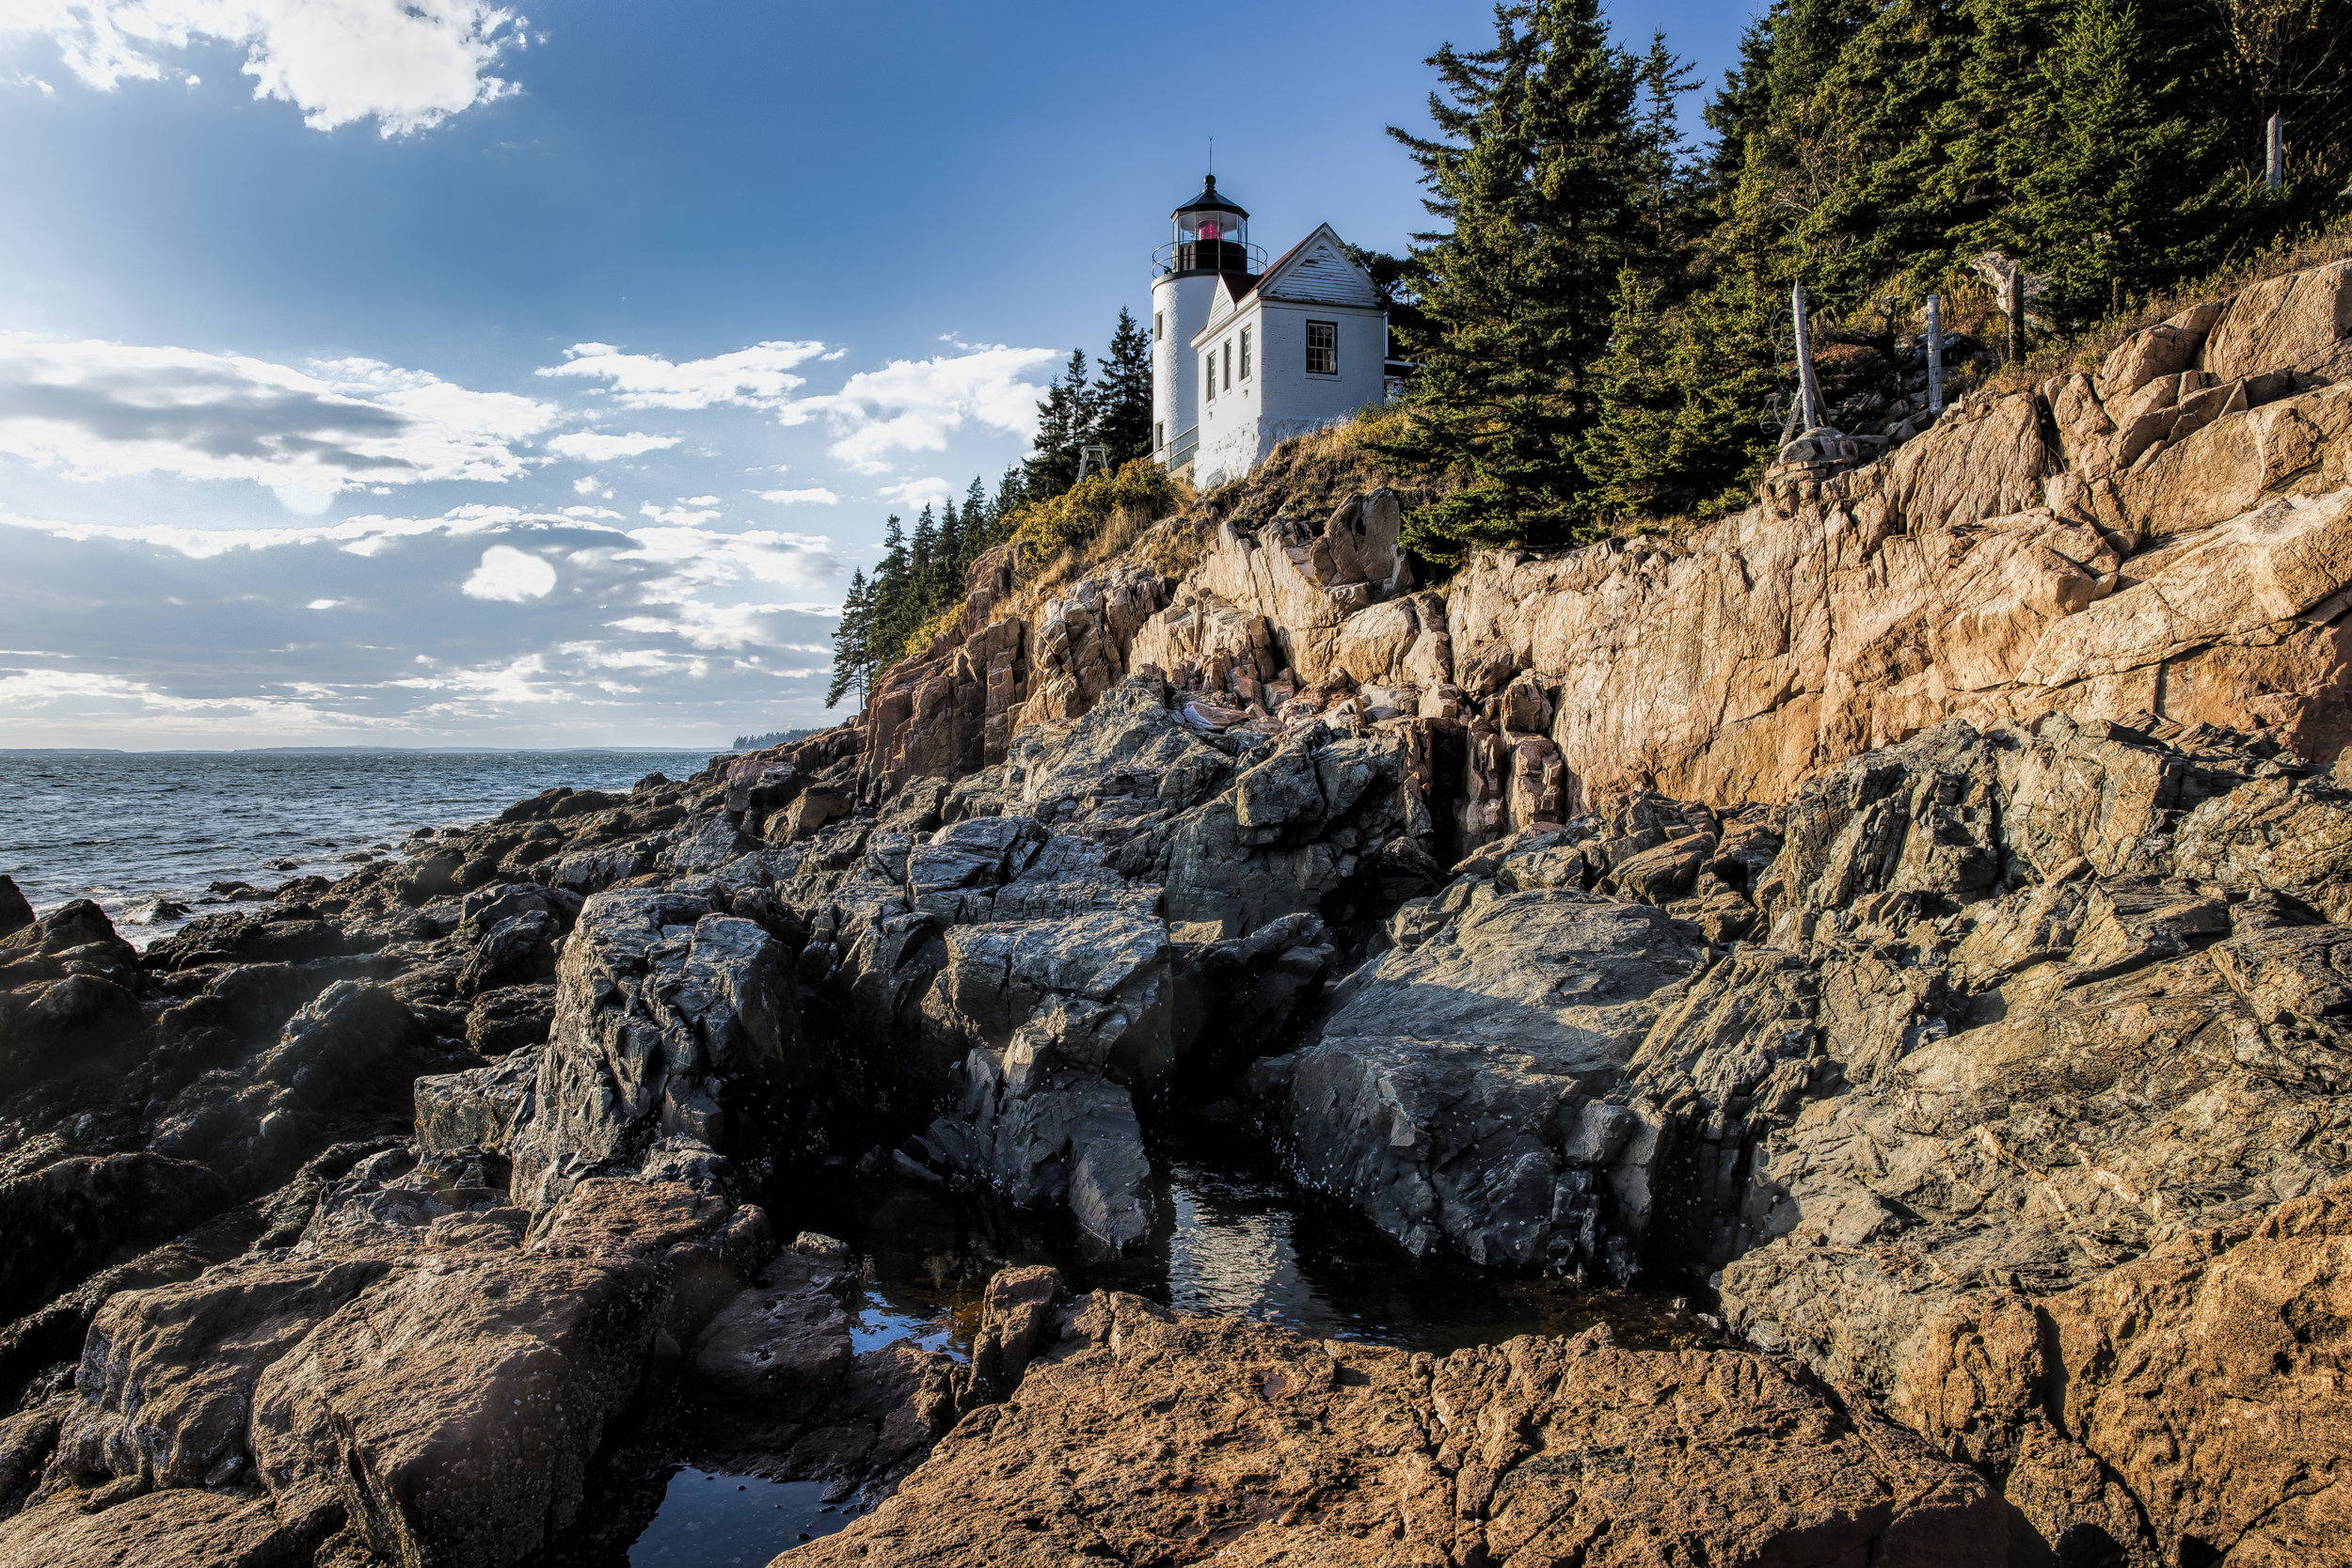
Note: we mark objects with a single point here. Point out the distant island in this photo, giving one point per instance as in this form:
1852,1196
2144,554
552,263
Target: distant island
773,738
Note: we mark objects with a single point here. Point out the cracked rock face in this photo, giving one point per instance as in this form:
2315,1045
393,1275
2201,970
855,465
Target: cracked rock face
670,1021
1145,1436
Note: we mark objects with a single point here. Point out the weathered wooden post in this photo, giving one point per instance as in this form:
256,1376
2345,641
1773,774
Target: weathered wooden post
2013,292
2275,152
1935,354
1808,390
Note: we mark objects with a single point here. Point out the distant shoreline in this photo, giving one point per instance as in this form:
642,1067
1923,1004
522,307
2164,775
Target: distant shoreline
338,751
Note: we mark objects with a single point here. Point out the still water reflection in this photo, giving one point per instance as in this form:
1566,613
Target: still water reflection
1237,1238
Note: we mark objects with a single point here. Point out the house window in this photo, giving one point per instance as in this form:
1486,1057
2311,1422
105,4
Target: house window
1228,364
1159,434
1322,348
1209,376
1245,354
1159,327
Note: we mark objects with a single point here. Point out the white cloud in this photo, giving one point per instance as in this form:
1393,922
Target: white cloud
754,377
684,514
817,496
101,410
915,493
33,697
322,603
363,536
407,64
587,446
915,405
512,575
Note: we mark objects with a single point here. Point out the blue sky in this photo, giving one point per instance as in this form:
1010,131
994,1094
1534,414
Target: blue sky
441,373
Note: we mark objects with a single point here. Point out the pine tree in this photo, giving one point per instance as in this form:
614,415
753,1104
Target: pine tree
1065,423
948,572
853,656
1538,164
1682,430
923,569
1122,393
973,530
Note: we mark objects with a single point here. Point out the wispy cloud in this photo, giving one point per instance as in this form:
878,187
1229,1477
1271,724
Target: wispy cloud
588,446
915,405
760,377
407,64
816,495
102,410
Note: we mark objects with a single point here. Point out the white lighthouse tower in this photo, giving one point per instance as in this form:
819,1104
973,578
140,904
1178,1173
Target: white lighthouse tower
1210,240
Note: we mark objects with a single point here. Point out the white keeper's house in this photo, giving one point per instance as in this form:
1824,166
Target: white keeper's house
1243,354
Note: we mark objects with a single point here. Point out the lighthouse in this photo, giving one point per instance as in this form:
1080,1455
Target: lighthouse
1244,355
1209,238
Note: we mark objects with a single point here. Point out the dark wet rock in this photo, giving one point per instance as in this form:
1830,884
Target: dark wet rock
355,1046
15,911
510,1020
477,1108
517,951
80,1023
785,1342
1447,1092
669,1019
274,935
62,1221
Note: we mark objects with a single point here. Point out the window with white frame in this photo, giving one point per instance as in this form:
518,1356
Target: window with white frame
1159,434
1159,325
1245,354
1322,348
1228,364
1208,374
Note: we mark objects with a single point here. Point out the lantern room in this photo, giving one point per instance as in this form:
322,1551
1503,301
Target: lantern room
1210,234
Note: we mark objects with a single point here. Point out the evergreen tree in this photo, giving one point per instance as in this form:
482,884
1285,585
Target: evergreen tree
972,530
1013,493
1538,164
922,575
1682,430
948,573
1065,423
1122,393
852,654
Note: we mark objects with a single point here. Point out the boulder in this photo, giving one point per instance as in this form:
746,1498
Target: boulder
785,1342
669,1021
477,1108
15,912
1442,1094
447,1414
164,1389
356,1046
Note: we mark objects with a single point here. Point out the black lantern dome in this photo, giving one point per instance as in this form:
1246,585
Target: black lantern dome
1211,234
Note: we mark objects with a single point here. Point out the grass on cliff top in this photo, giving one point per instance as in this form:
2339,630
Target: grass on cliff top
1143,514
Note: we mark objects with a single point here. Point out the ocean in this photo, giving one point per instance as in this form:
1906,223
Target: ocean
127,828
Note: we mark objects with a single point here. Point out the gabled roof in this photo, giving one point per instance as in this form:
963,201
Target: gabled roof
1234,289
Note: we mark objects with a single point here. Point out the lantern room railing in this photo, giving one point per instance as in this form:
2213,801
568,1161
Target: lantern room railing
1208,256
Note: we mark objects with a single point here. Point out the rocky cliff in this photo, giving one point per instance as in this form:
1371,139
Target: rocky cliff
1912,915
